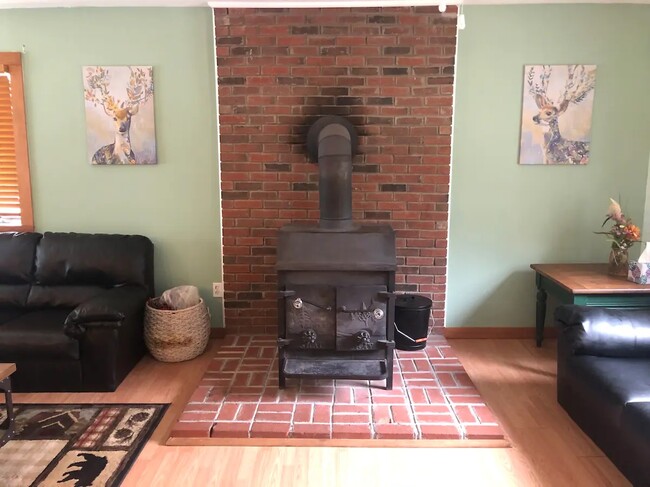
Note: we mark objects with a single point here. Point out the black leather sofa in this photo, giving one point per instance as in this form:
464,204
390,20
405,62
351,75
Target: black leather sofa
71,308
603,381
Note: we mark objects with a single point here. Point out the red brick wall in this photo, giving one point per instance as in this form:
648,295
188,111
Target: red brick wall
390,71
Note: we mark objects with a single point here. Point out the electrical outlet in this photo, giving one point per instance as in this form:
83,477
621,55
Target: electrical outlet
217,289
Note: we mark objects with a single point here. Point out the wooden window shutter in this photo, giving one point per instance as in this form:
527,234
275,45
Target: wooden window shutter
15,187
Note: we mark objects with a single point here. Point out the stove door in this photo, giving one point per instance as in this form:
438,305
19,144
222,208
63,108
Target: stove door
310,315
360,317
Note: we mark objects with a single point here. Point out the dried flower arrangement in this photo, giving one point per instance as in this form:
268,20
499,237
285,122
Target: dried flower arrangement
623,234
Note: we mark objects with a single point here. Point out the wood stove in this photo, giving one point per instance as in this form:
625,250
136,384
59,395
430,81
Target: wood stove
336,278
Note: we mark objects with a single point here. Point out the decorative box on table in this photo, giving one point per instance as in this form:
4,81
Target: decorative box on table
639,272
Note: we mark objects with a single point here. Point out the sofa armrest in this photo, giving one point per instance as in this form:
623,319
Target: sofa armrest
607,332
109,328
109,309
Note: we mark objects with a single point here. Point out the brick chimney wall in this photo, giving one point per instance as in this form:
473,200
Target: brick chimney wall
390,71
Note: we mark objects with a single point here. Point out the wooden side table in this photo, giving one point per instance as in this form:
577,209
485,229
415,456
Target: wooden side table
5,385
587,285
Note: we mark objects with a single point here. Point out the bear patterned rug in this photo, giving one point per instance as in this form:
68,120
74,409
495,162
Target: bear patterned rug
75,445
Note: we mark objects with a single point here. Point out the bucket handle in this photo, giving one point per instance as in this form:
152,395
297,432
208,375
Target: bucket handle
419,340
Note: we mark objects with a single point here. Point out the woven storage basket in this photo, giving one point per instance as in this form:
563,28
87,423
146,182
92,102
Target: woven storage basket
177,335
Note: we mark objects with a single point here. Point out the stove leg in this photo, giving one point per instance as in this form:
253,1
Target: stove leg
389,372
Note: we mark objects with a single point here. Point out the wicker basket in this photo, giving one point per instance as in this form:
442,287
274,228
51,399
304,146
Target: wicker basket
177,335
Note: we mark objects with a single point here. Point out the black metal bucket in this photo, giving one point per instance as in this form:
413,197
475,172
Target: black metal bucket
412,321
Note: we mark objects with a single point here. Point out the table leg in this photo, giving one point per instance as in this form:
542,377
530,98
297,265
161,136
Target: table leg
7,424
540,315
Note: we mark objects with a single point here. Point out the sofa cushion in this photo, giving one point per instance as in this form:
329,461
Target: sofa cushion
8,314
608,332
17,262
99,260
13,294
61,296
618,380
35,334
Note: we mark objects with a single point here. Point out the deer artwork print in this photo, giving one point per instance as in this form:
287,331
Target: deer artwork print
556,116
119,115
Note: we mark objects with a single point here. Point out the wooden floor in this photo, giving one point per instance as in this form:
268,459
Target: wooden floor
516,379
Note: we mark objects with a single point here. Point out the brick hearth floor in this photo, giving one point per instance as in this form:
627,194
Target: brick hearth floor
238,397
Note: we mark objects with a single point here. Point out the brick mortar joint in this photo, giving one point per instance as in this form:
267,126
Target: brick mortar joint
441,31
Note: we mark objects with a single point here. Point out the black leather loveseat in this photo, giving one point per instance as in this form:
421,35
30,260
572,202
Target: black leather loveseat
603,381
71,308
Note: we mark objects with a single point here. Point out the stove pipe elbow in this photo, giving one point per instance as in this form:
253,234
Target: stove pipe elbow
332,142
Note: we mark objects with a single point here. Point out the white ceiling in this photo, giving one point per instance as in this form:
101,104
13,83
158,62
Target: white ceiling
275,3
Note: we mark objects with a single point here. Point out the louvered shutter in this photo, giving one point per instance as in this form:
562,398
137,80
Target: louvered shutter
15,194
9,197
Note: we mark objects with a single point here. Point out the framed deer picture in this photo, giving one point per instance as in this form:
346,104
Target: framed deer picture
120,127
556,114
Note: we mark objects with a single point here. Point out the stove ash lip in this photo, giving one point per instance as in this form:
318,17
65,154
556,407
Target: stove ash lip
332,143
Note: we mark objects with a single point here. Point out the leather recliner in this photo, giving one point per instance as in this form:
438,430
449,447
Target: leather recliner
603,381
71,308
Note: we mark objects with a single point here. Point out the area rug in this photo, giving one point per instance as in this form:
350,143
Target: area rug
238,402
75,445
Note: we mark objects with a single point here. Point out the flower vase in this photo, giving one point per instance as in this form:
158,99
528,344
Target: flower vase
618,262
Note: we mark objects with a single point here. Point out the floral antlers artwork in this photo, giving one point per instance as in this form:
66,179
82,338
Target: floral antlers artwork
623,234
120,115
556,115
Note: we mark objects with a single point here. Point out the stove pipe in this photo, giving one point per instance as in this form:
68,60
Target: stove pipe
332,142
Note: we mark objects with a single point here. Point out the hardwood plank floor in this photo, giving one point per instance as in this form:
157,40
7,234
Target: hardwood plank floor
516,379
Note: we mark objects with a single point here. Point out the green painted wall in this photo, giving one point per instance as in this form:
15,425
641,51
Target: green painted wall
504,216
175,203
645,229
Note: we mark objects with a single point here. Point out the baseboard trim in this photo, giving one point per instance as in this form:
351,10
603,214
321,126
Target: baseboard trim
217,332
496,332
462,332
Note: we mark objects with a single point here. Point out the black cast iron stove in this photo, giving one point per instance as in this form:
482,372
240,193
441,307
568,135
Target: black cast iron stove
336,278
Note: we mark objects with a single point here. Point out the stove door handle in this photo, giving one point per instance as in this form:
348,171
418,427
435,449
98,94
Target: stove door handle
343,309
298,302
